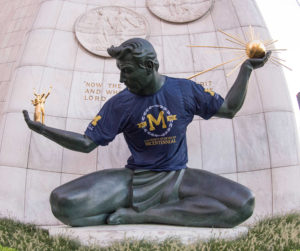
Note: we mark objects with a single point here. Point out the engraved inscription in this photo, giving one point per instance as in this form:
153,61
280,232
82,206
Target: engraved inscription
97,92
102,27
207,85
179,11
93,92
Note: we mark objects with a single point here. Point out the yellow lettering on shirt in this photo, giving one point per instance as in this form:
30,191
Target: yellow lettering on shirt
142,124
157,121
212,93
95,120
171,118
160,141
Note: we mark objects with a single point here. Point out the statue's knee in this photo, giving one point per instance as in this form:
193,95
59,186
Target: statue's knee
248,207
59,203
54,202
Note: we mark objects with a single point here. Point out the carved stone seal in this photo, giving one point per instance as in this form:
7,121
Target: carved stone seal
179,11
102,27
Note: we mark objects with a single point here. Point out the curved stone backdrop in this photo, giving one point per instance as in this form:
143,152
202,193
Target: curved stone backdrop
258,148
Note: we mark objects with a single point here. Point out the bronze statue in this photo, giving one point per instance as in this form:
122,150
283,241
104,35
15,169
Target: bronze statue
156,186
39,104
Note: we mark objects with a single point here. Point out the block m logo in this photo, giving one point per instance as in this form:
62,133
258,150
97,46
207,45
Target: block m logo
157,121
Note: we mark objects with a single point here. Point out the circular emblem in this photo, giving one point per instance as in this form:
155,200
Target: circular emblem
161,121
179,11
102,27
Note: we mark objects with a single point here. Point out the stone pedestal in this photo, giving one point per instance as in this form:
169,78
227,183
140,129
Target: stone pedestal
106,235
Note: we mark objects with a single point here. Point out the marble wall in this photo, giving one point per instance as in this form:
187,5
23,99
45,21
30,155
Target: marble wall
38,48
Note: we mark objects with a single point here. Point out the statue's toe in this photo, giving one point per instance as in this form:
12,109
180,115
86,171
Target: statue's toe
114,219
121,216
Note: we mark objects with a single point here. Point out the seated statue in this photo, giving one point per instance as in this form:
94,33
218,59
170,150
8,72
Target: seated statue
155,186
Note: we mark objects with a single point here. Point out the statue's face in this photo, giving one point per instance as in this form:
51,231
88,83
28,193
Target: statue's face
136,78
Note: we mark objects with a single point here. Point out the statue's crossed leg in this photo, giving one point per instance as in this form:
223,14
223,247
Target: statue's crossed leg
103,197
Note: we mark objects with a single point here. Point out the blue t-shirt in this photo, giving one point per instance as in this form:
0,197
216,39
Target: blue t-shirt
154,126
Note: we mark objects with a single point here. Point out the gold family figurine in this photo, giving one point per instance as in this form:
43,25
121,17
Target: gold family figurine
39,102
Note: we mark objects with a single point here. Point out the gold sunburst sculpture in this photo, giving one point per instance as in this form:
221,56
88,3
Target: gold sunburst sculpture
253,48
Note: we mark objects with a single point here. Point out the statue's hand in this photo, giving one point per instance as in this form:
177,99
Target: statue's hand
33,125
258,62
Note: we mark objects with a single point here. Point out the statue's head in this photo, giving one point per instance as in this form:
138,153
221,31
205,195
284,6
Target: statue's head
137,61
140,49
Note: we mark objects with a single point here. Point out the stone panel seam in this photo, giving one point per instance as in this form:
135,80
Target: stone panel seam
51,40
272,185
201,148
70,91
21,7
234,136
97,5
297,138
261,169
257,9
235,150
97,154
11,86
59,1
295,133
162,45
259,12
198,119
29,146
154,35
102,90
268,141
59,68
264,112
103,72
249,171
136,5
235,12
25,192
40,82
191,50
199,123
20,18
8,62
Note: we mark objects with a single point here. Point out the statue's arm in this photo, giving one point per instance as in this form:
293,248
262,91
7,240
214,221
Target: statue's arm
48,92
71,140
237,93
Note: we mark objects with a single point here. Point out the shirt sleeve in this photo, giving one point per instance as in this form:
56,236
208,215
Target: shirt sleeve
200,101
109,122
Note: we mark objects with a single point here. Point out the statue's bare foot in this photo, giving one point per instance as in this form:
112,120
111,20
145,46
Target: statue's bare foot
123,216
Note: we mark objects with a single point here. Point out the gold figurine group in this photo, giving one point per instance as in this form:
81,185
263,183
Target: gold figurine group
39,102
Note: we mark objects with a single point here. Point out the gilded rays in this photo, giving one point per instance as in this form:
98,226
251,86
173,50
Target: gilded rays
252,48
